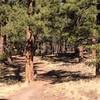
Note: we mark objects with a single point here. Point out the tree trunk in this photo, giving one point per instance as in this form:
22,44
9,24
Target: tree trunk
30,50
98,69
94,57
81,52
93,50
1,45
29,57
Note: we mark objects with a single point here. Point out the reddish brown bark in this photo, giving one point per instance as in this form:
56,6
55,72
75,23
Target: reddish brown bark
29,56
1,45
29,70
81,52
94,57
93,49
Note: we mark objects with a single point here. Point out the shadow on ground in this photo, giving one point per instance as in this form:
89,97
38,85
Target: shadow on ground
14,72
59,76
11,73
64,57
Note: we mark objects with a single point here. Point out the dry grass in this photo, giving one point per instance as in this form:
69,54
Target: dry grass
80,90
71,90
6,90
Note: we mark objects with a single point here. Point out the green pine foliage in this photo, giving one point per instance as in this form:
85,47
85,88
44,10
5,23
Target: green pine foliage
53,20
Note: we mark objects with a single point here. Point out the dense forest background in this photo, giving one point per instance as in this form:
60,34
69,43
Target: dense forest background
58,27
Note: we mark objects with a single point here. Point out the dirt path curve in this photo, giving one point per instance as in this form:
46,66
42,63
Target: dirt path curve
36,92
48,88
31,92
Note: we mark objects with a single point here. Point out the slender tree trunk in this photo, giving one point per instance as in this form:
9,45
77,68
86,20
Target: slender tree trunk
63,46
94,57
30,50
66,46
4,43
81,52
51,47
93,50
60,46
29,57
39,47
98,69
1,45
55,46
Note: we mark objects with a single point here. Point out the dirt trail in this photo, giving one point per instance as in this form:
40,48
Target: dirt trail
60,81
40,89
36,91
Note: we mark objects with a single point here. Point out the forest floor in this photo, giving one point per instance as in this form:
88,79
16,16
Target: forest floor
56,81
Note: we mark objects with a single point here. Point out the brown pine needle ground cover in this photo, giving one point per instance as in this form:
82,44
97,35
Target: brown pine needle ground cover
57,81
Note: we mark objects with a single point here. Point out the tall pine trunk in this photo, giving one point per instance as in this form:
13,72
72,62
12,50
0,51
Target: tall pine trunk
1,45
94,57
30,48
81,52
93,49
29,71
